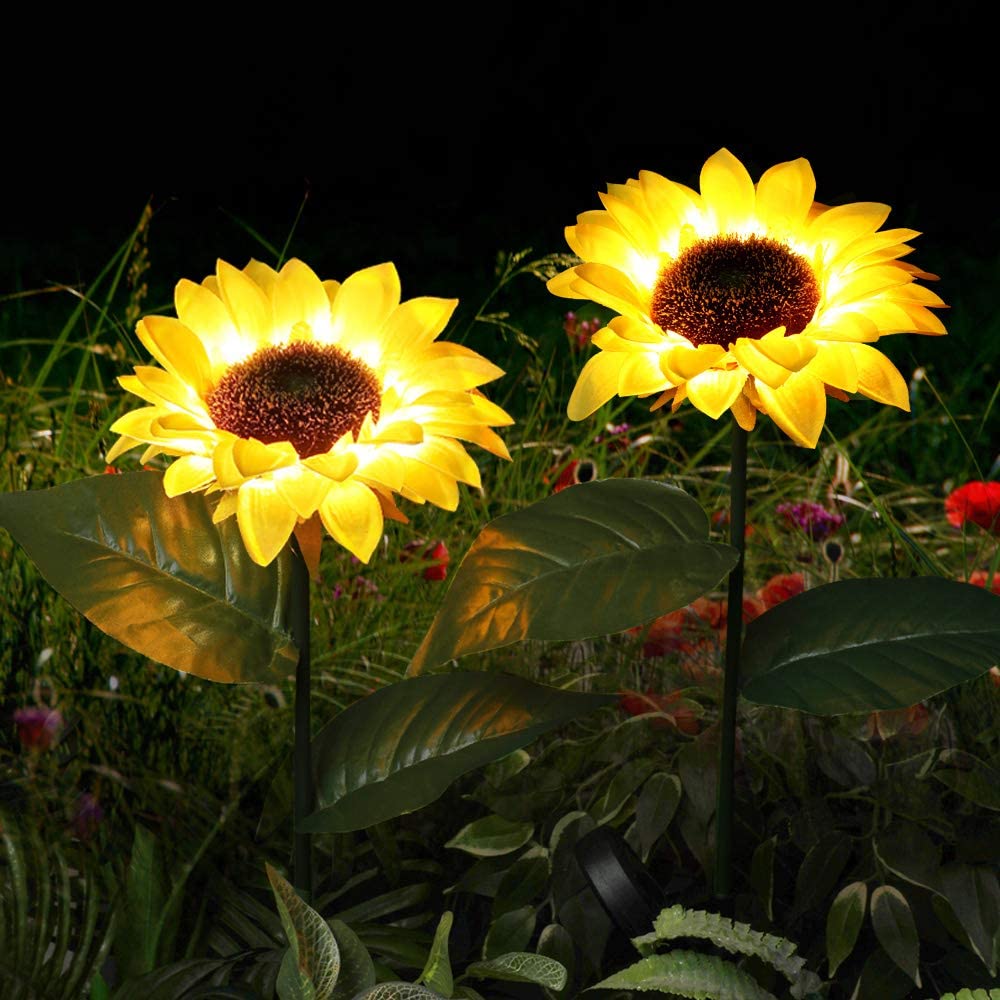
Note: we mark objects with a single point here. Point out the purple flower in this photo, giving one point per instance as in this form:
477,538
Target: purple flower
812,518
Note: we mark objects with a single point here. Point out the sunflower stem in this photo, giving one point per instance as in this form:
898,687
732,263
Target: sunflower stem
302,875
734,642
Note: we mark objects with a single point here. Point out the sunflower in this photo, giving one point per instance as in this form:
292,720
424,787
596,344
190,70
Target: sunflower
295,397
748,298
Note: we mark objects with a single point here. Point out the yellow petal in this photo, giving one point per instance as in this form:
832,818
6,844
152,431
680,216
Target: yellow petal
449,457
563,283
247,304
427,483
266,521
632,222
843,224
597,383
122,445
177,349
302,489
878,377
188,474
227,473
728,191
744,412
333,466
226,507
758,364
640,375
792,352
671,205
609,287
352,514
713,392
415,324
785,193
253,458
684,361
483,436
262,275
834,364
365,301
798,407
137,424
203,312
299,297
164,387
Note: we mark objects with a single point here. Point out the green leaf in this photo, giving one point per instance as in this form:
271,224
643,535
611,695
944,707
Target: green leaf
526,881
895,929
908,852
843,923
973,893
970,777
357,971
399,749
290,984
762,874
882,979
510,932
138,935
491,835
507,767
554,942
157,575
625,781
311,942
398,991
592,560
864,645
437,969
820,870
658,801
521,967
99,988
687,974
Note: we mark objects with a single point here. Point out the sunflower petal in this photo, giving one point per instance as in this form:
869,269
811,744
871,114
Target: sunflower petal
253,458
597,383
246,303
365,301
728,191
188,474
177,349
352,514
713,392
266,521
302,489
785,193
798,407
878,377
744,412
226,506
299,296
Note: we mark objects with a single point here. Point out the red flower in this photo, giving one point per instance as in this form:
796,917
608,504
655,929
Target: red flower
977,502
433,553
994,673
978,579
37,728
680,713
781,587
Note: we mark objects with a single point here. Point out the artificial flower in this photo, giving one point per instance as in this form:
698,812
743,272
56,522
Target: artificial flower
296,398
752,298
977,502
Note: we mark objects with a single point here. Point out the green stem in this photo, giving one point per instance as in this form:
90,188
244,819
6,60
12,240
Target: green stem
302,876
734,640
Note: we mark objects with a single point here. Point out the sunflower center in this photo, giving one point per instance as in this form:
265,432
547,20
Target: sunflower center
309,394
728,287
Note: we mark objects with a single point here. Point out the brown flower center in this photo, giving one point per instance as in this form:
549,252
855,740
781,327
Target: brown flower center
728,287
309,394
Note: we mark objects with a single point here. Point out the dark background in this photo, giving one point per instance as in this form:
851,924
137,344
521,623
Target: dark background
436,139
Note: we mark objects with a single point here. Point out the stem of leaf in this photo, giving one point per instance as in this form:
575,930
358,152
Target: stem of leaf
730,692
302,876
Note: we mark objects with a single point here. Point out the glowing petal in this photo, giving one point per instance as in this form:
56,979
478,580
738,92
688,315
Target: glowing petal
352,514
683,362
365,301
714,392
226,506
249,307
299,297
835,365
188,474
597,383
744,412
253,458
203,312
265,519
878,377
302,489
798,407
785,193
415,324
728,192
177,349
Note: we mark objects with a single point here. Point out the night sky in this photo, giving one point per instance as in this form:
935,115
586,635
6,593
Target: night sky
435,142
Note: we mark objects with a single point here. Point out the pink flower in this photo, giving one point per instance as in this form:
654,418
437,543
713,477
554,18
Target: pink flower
38,728
977,502
580,331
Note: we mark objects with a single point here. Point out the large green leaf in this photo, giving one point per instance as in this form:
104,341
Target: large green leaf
157,575
863,645
591,560
400,748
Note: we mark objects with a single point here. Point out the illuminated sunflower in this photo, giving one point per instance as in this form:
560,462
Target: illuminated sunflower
295,397
744,297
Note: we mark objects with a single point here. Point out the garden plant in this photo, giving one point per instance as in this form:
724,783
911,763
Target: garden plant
325,691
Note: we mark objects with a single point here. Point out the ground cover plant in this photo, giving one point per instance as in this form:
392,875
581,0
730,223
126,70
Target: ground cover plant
147,813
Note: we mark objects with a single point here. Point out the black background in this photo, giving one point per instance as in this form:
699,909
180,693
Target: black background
436,139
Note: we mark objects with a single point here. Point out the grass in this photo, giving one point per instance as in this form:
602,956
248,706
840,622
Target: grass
193,762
